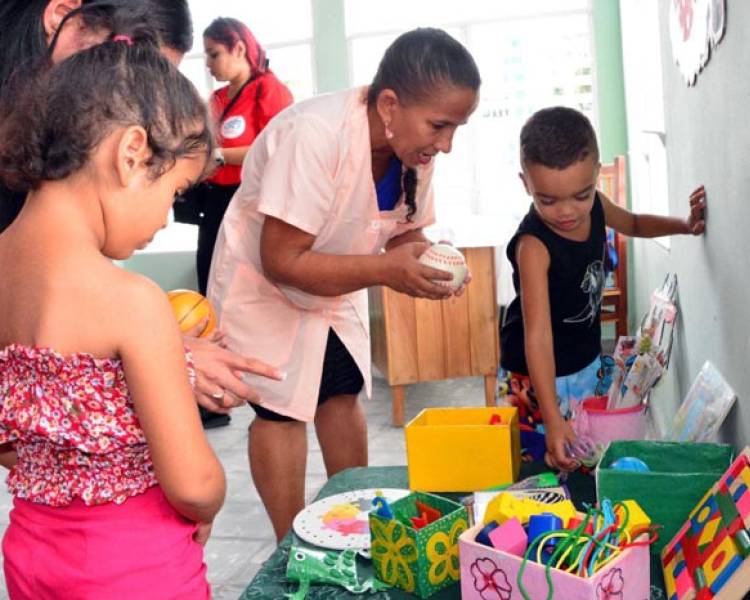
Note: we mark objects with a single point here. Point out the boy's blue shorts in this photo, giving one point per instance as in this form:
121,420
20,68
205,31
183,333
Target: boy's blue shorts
515,389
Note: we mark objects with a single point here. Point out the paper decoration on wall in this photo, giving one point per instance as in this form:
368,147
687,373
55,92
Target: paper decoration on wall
704,409
708,558
695,27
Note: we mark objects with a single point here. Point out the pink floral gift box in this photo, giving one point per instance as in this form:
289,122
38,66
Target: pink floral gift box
490,574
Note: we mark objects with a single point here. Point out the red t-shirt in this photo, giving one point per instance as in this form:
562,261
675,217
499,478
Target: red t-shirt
259,102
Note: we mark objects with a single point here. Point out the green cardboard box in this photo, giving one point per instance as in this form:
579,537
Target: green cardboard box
419,561
678,477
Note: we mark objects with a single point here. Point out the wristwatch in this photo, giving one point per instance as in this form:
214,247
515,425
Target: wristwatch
219,157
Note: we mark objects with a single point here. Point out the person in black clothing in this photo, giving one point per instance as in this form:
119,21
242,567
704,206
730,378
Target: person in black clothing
35,33
551,339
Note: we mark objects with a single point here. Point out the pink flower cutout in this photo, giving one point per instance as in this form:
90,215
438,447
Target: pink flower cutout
489,581
611,585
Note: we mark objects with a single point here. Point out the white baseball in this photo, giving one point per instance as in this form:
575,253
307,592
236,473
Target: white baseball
446,258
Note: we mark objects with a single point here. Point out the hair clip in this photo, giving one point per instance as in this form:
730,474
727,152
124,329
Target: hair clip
123,38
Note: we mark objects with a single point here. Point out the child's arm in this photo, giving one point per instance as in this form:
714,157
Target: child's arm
154,363
8,456
533,261
647,226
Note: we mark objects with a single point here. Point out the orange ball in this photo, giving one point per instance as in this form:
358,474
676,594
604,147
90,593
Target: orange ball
190,308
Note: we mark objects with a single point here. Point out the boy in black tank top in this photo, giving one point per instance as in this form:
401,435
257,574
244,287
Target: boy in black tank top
552,333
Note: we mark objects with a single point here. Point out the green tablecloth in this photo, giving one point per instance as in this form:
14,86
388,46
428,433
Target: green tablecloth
270,583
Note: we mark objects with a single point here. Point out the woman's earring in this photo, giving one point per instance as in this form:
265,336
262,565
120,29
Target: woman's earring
388,132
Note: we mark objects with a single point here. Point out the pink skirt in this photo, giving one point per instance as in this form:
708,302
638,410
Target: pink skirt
139,549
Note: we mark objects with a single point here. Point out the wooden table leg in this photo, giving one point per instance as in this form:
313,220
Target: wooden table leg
490,381
398,405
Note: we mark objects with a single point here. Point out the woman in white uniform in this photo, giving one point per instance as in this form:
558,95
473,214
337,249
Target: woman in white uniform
335,193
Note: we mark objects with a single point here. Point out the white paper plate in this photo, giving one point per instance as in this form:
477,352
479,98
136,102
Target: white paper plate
340,522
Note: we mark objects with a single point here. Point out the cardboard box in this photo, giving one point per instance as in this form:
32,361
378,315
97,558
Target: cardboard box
678,477
458,450
490,573
419,561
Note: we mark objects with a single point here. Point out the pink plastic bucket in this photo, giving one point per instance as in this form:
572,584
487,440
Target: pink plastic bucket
604,426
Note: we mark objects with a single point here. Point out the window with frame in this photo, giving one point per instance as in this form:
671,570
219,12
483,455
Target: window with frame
530,55
644,96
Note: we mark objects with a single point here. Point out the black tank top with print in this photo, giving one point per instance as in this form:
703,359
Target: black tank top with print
576,280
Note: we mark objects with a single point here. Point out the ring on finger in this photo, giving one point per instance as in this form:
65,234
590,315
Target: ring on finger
218,395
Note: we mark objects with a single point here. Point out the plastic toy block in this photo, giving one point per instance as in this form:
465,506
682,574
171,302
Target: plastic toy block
728,510
715,542
544,523
637,518
708,534
575,522
733,523
510,537
676,544
684,583
742,539
504,506
741,497
669,582
708,511
721,564
694,566
744,474
483,537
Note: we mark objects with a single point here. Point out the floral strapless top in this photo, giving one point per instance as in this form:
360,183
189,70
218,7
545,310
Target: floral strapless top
72,423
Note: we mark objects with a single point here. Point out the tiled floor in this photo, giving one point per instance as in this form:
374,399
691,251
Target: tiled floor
242,535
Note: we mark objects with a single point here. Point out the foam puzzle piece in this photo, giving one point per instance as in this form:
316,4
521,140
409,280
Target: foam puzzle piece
510,537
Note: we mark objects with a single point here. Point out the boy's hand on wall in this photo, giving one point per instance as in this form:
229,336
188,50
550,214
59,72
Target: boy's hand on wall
696,221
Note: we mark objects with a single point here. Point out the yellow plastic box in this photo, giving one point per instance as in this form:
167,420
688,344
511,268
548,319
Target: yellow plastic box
457,450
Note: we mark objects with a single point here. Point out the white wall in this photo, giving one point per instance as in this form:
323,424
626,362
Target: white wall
708,141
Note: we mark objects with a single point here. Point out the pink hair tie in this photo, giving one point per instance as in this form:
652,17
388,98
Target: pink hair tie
123,38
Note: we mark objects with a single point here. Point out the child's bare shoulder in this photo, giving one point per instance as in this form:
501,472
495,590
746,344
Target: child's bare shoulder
531,247
138,292
139,300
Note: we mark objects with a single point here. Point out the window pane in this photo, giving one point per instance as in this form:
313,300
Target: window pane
525,65
176,237
271,23
293,66
194,68
365,55
368,17
644,101
366,52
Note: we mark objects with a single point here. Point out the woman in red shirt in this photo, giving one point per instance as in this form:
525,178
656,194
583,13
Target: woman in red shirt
241,110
